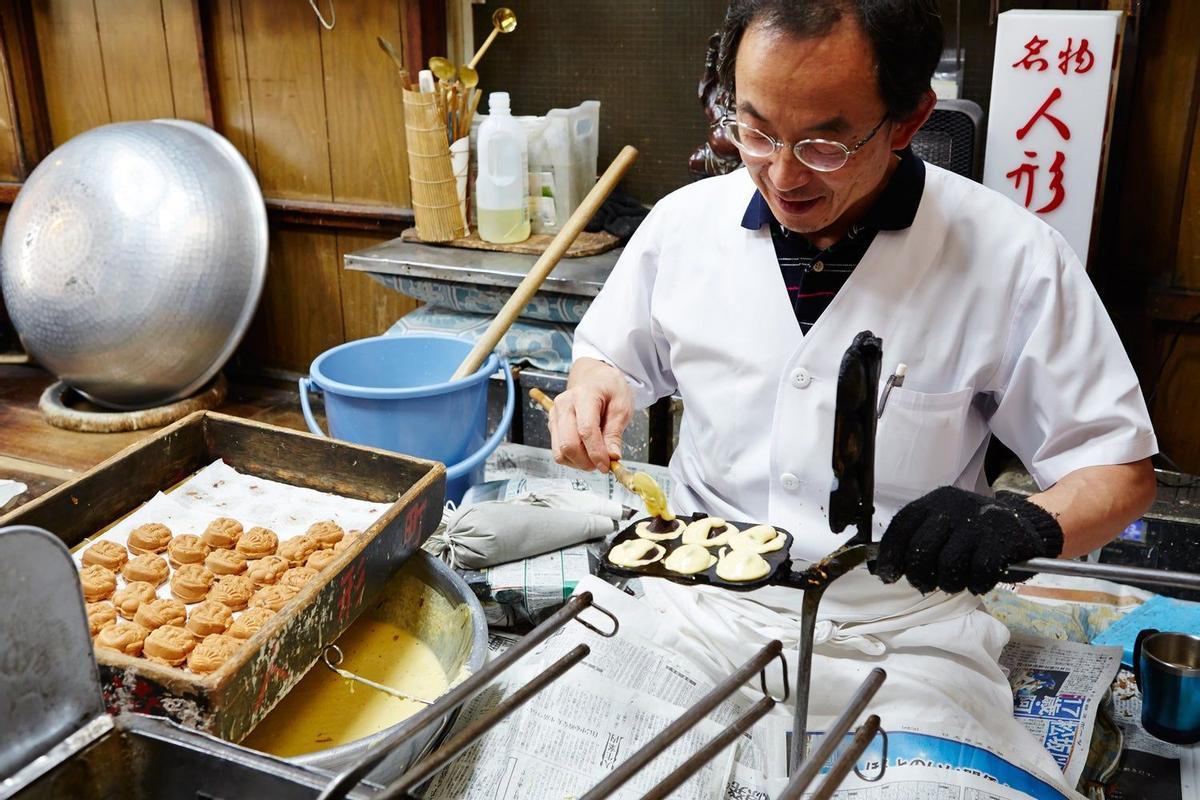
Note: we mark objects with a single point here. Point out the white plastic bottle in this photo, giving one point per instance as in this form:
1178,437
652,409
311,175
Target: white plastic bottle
502,187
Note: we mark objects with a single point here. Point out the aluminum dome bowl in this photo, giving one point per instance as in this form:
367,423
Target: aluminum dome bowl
133,259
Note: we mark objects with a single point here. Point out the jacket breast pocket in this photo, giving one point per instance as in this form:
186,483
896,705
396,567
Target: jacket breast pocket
921,441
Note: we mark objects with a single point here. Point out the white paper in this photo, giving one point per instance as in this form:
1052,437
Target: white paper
9,490
218,490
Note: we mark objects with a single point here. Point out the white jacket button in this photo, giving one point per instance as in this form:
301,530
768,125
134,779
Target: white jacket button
800,378
789,481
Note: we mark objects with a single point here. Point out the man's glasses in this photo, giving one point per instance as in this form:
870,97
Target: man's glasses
822,155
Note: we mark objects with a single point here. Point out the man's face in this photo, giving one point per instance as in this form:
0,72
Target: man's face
817,88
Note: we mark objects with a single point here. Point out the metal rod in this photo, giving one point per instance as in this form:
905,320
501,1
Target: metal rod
808,624
342,783
841,768
813,581
688,768
653,748
436,761
334,651
1110,572
810,768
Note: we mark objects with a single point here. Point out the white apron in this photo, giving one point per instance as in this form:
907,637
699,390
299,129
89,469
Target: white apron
1002,333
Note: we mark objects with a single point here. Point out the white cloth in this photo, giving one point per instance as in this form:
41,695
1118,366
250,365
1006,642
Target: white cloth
1002,334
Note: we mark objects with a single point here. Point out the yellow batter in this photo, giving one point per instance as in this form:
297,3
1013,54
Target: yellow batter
325,710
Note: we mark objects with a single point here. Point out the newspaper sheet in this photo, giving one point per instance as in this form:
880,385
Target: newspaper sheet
533,469
1151,769
1057,690
563,742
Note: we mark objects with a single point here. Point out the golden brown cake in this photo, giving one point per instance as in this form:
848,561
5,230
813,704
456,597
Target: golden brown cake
147,567
130,596
296,577
249,621
321,559
257,542
186,549
347,541
232,590
152,537
267,570
222,532
125,637
98,583
160,611
298,549
327,533
109,555
272,597
100,615
191,583
226,562
211,653
169,645
209,617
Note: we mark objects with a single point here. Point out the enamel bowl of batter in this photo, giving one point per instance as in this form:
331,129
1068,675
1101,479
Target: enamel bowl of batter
424,632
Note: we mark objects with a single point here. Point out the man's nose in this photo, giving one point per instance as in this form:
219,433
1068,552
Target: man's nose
787,173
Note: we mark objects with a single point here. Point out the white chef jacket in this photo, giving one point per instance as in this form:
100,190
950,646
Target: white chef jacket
988,306
1002,333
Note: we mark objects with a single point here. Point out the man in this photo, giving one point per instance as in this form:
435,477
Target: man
742,292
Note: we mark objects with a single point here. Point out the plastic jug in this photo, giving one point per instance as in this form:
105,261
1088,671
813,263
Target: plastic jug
502,187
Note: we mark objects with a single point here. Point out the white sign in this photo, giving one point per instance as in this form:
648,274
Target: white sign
1050,86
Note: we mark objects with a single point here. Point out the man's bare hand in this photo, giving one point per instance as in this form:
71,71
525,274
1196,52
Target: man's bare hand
589,417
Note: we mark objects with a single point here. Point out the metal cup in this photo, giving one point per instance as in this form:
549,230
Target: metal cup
1167,669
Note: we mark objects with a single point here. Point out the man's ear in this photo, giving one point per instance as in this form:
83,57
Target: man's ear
904,130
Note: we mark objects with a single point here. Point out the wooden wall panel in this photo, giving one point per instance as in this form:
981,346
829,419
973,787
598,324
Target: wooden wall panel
72,67
300,314
287,98
185,56
368,307
10,141
1159,139
1187,273
133,47
227,76
366,121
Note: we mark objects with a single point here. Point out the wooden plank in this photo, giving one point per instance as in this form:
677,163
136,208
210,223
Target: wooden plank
1175,421
1187,269
300,315
227,78
1159,138
185,55
133,47
10,140
368,307
349,216
367,156
19,41
283,58
72,67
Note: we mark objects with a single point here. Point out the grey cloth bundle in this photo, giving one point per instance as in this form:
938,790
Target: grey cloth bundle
497,532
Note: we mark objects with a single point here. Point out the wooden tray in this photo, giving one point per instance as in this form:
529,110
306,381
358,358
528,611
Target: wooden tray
230,702
586,244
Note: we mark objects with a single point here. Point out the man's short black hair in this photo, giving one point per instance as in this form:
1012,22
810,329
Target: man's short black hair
906,36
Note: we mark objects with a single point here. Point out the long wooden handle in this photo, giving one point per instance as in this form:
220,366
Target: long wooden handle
623,475
546,262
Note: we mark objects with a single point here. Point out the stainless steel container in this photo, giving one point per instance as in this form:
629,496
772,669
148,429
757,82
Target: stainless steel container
451,624
133,259
1167,668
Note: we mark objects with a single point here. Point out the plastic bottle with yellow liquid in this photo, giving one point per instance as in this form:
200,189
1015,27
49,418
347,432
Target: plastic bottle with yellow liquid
502,186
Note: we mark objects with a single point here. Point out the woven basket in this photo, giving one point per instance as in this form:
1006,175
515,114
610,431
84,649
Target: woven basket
434,189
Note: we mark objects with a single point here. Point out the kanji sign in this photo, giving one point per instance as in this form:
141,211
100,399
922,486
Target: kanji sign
1050,85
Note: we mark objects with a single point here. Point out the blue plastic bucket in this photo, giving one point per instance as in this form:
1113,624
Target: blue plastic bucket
395,393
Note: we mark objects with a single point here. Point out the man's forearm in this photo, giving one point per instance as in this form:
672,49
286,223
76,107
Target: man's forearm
1094,504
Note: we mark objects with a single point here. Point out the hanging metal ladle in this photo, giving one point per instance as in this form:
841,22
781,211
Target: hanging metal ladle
504,20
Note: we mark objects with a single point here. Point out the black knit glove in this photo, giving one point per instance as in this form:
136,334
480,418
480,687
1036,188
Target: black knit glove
952,539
